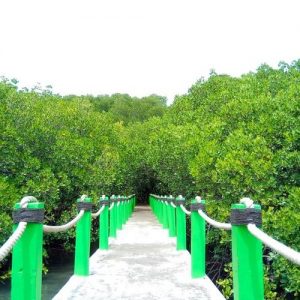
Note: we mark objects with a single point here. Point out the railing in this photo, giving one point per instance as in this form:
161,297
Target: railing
247,239
27,238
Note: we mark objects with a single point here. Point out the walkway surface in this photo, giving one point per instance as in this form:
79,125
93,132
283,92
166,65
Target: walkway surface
142,264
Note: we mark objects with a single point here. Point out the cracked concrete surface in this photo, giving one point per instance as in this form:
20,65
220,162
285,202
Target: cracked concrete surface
142,263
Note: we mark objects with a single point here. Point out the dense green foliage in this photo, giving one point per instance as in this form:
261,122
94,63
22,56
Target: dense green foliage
225,139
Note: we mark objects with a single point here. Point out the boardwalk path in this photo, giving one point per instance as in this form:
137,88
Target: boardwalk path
142,264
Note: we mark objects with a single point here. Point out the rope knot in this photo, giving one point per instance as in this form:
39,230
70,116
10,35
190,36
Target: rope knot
248,202
25,200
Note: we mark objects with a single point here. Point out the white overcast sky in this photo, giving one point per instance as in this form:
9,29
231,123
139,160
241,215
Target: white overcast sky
142,46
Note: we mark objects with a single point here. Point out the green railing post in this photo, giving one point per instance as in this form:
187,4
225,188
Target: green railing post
134,202
247,264
26,282
154,205
103,224
126,212
83,238
112,218
151,202
116,207
181,224
197,239
128,208
118,213
123,202
165,213
159,210
171,212
121,212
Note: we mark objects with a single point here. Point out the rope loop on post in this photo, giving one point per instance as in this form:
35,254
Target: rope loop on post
249,214
81,206
98,213
86,206
60,228
112,205
82,197
185,210
197,206
12,240
25,200
216,224
173,205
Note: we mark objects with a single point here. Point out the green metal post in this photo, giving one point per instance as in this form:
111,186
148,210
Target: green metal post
165,214
26,282
126,209
247,264
82,244
118,210
123,209
171,215
197,239
161,210
121,213
112,218
154,205
103,223
181,224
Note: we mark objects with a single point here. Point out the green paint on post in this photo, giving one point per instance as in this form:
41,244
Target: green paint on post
165,214
26,281
181,226
122,208
159,210
103,226
247,264
197,243
82,246
171,211
118,213
112,219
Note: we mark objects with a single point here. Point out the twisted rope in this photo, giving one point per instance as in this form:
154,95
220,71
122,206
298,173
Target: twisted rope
282,249
185,210
173,205
60,228
12,240
216,224
96,214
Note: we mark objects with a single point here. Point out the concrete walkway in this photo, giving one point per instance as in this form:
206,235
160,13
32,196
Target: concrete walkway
142,264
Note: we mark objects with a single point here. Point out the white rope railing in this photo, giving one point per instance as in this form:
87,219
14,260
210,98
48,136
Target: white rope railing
280,248
96,214
185,210
8,245
12,240
64,227
60,228
173,205
111,206
220,225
